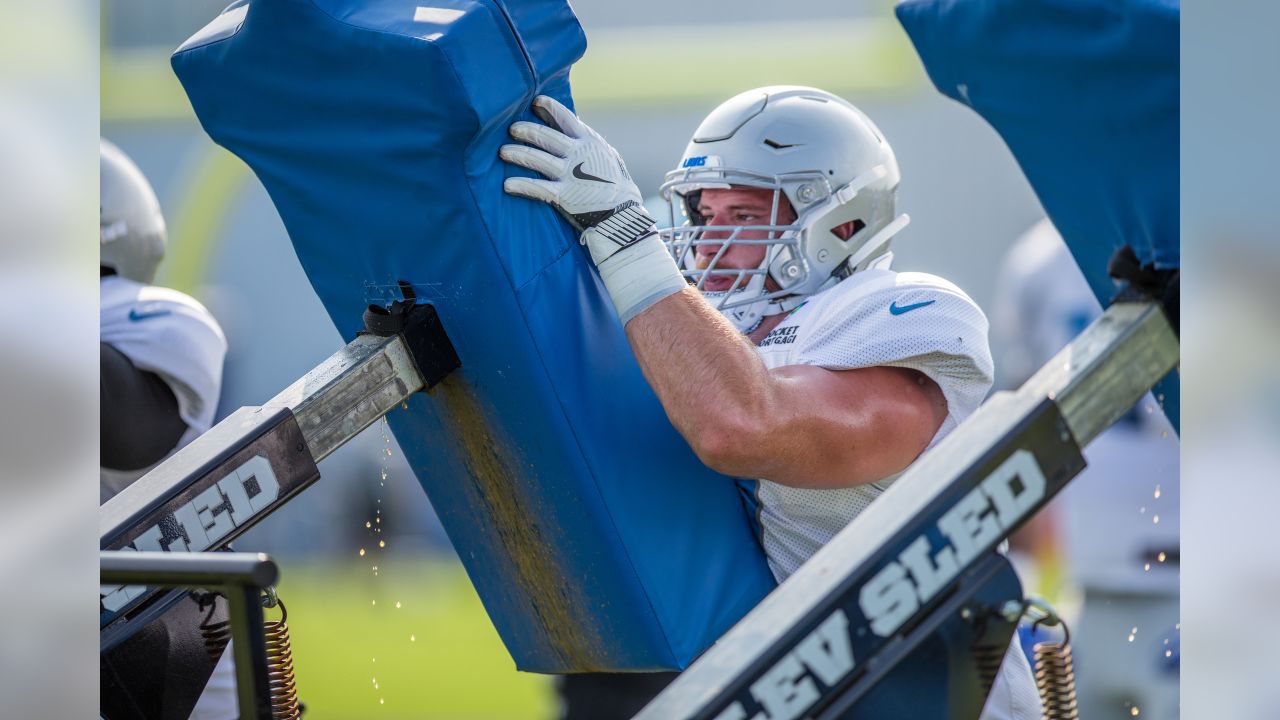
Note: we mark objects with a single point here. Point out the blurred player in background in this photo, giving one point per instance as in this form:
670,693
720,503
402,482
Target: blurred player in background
162,351
782,346
1114,529
162,355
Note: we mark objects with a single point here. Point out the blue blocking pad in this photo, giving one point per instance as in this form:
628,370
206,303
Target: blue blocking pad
1086,95
595,538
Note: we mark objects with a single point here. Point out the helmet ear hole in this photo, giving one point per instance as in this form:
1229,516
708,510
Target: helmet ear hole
844,231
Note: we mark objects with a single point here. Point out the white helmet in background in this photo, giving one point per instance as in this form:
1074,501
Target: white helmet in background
819,153
132,228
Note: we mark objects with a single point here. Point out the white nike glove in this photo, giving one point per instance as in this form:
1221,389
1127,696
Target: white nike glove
589,185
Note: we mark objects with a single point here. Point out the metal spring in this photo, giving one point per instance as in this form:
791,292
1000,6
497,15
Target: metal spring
987,658
284,688
1056,680
216,634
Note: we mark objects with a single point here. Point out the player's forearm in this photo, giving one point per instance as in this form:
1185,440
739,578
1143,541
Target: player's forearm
716,391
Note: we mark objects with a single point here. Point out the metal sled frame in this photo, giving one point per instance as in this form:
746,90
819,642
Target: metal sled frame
258,458
241,577
822,639
1004,463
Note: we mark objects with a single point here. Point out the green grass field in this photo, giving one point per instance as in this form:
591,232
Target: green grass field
412,641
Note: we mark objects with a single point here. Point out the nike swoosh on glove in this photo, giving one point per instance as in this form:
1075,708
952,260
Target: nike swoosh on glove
588,183
586,179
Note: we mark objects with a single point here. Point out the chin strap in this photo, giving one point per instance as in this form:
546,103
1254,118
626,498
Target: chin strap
788,303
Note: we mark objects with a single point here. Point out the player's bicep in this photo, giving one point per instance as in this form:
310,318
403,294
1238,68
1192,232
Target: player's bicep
858,426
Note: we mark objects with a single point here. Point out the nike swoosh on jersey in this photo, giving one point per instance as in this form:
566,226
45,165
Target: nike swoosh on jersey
578,173
136,316
896,309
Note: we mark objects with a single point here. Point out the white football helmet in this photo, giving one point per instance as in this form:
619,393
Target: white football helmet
132,236
819,153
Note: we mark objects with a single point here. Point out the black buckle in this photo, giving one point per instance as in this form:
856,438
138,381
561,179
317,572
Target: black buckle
423,333
1145,282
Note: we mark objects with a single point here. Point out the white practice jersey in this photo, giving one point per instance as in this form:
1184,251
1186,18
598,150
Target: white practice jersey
172,335
876,317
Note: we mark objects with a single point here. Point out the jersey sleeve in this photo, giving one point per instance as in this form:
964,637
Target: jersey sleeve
170,334
914,321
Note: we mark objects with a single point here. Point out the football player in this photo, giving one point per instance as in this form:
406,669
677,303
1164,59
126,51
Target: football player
162,352
162,355
768,320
